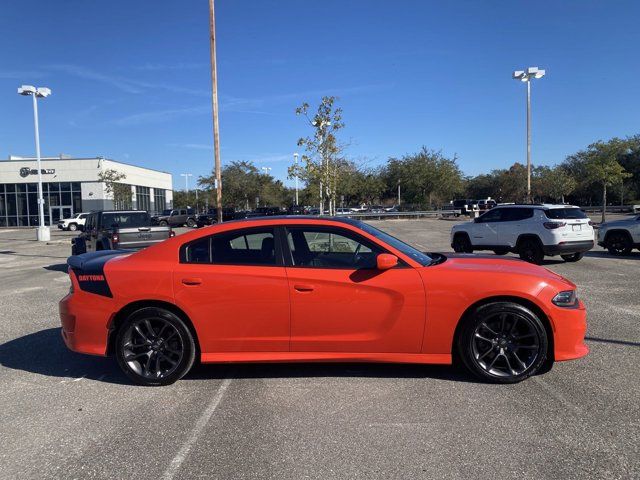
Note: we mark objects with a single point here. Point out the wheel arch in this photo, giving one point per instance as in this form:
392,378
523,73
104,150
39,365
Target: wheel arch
128,309
623,231
528,236
544,318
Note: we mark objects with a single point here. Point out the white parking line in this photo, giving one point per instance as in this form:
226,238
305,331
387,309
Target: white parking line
180,457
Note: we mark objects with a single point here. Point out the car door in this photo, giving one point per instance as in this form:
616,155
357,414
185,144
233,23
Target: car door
513,223
234,287
484,230
341,303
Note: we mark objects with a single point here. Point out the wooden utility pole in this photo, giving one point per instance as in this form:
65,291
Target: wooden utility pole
214,102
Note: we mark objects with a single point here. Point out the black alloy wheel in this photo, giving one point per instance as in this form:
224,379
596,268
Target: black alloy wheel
619,244
574,257
503,342
461,244
154,347
530,251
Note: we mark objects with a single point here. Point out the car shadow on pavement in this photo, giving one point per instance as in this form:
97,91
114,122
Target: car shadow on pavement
45,353
337,370
603,254
16,254
58,267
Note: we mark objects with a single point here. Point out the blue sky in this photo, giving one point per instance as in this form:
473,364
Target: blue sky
130,79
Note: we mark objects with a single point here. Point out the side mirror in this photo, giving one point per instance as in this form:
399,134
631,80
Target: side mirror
385,261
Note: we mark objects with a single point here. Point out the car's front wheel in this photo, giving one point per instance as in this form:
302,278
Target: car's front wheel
191,222
155,347
73,227
503,342
163,223
462,244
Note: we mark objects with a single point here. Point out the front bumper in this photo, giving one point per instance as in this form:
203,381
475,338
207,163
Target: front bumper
61,226
568,248
570,328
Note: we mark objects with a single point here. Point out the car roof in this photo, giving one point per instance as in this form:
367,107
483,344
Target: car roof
540,206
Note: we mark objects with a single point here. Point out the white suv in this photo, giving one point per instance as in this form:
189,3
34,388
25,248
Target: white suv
532,231
620,236
73,223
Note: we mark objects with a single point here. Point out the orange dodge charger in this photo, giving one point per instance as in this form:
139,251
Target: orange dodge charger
298,289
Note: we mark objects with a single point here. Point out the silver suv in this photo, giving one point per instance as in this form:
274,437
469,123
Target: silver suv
620,236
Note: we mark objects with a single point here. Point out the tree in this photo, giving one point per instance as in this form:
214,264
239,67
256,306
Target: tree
552,182
321,164
120,192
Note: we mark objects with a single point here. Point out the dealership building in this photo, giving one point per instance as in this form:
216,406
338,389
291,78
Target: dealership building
73,185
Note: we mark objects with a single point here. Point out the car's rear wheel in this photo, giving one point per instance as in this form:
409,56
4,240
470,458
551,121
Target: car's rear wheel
574,257
503,342
530,250
155,347
619,243
462,244
191,222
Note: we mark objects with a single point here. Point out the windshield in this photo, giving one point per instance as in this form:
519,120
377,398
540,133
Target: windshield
565,214
422,258
126,220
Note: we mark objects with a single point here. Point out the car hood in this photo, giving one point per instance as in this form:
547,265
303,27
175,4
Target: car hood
492,264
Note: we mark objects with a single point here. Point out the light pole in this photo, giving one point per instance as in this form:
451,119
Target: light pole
186,181
43,233
398,192
526,76
266,170
295,161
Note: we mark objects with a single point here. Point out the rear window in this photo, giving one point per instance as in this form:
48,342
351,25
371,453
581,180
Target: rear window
126,220
565,214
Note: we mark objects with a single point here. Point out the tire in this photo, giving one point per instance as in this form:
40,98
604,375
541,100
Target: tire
501,251
154,347
73,227
462,244
191,222
574,257
163,223
503,342
619,243
530,250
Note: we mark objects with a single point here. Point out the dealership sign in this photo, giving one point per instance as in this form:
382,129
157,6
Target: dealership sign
26,171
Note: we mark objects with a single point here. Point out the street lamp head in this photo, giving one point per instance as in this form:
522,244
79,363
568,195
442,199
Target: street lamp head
526,76
518,74
43,92
27,90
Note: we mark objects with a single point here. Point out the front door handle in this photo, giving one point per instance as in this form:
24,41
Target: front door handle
303,287
191,282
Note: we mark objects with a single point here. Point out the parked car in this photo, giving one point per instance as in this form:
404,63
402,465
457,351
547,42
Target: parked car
178,217
532,231
118,229
74,223
265,212
324,289
392,209
620,236
343,211
486,204
376,209
211,216
296,210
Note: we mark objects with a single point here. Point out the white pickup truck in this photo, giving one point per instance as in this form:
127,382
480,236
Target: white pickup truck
74,223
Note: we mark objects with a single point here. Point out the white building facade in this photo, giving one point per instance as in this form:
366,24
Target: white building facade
72,185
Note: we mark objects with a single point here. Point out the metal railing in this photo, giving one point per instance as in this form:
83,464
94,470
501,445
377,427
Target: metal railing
399,215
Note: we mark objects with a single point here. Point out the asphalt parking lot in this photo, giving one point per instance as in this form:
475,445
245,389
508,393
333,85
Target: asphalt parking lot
66,415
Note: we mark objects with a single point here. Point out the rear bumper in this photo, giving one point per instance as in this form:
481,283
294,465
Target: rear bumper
570,325
568,247
85,328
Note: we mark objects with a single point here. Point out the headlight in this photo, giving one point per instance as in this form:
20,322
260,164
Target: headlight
568,298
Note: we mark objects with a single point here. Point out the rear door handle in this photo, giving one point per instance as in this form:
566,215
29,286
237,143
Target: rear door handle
303,287
191,282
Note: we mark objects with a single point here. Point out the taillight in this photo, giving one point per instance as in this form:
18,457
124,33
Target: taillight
554,225
115,238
